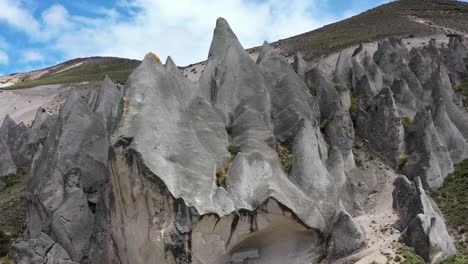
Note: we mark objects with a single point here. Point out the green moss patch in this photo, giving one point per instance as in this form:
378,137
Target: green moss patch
285,155
222,172
406,122
311,88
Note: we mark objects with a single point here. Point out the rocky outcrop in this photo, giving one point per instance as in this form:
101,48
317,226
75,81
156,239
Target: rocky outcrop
39,250
428,157
7,166
379,123
347,237
68,174
422,222
247,164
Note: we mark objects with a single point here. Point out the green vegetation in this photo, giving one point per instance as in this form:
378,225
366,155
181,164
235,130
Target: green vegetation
222,172
233,149
408,255
452,197
374,25
311,88
5,242
406,122
229,129
463,91
93,69
403,159
452,200
284,153
13,209
221,175
338,87
357,144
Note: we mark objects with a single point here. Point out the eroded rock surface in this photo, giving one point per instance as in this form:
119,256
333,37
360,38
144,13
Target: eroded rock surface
422,222
168,170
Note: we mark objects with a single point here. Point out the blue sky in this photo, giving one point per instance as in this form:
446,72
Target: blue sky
39,33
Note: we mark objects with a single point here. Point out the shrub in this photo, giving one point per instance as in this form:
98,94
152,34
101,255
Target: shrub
452,198
409,255
406,122
233,150
403,159
285,156
339,88
5,242
222,172
311,88
357,144
221,175
229,129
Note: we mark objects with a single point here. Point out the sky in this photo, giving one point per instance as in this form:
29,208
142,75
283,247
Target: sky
38,33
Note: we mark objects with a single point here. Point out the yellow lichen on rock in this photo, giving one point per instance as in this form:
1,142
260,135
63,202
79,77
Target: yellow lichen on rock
153,56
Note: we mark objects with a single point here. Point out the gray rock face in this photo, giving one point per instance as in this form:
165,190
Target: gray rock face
27,143
68,174
168,170
39,250
7,166
347,237
428,158
422,221
378,122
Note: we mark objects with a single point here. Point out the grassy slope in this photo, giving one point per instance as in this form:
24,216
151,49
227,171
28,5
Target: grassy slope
452,200
91,70
12,209
381,22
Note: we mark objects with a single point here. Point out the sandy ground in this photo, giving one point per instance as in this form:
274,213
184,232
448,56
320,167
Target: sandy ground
22,104
379,216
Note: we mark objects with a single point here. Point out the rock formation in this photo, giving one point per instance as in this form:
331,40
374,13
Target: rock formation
168,170
422,222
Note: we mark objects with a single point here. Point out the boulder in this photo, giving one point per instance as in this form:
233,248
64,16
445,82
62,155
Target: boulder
421,221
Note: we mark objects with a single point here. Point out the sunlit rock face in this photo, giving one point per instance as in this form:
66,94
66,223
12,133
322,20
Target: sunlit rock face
252,162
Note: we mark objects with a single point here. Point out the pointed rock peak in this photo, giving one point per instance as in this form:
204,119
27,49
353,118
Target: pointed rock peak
264,51
152,57
299,64
109,85
8,121
223,37
170,62
170,65
107,81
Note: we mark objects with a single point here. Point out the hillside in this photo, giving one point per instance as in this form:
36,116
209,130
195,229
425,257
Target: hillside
74,71
414,18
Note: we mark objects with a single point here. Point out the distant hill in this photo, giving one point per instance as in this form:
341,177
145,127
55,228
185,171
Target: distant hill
73,71
399,18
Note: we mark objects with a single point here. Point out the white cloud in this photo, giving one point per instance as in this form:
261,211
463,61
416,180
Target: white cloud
4,58
15,14
55,20
31,56
182,29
